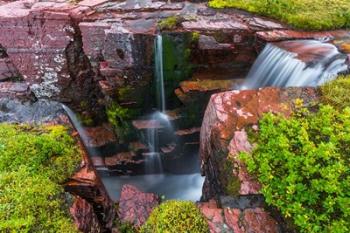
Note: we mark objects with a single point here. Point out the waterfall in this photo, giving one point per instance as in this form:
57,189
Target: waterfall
296,63
80,129
159,72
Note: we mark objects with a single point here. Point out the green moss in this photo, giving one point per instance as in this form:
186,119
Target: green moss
303,14
232,183
34,162
169,23
336,92
176,62
175,217
195,37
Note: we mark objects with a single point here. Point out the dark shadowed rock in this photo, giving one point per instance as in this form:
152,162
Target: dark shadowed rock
41,111
135,206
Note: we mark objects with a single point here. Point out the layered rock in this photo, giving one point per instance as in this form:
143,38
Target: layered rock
93,210
136,206
224,135
234,220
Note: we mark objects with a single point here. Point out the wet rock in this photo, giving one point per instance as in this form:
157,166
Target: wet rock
280,35
96,212
223,135
41,111
7,70
136,206
233,220
100,136
84,216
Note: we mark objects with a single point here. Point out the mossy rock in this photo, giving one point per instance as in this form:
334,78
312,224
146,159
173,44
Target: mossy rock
34,162
174,217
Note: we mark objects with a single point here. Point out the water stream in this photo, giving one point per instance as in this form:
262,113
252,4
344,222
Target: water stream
295,63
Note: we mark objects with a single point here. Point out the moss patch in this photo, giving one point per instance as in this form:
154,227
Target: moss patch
336,92
169,23
34,162
232,183
303,14
175,217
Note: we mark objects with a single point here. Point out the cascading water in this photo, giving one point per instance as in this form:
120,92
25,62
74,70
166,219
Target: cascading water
153,161
80,129
159,72
296,63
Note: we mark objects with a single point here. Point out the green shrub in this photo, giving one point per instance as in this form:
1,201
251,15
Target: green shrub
169,23
336,92
303,14
33,163
175,217
303,164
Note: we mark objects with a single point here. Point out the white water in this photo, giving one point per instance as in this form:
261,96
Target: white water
280,68
78,126
159,72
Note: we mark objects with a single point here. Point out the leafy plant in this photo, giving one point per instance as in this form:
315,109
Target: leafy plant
303,164
174,217
33,163
303,14
336,92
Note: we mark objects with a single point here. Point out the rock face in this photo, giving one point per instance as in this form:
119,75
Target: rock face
93,210
233,220
223,135
136,206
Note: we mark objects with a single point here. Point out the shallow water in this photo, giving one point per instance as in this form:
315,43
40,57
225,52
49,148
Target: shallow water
170,186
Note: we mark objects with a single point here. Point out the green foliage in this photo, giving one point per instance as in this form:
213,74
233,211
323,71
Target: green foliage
120,118
169,23
303,164
303,14
336,92
33,163
174,217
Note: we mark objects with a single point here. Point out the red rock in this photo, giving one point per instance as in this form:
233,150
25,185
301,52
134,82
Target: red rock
147,124
7,69
99,136
230,220
259,221
84,216
223,137
233,220
280,35
118,159
238,144
136,206
86,185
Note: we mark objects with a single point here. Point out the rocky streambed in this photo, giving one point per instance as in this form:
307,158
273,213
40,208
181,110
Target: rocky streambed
98,57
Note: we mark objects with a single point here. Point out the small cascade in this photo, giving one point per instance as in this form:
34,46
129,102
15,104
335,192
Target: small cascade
159,72
296,63
80,129
154,134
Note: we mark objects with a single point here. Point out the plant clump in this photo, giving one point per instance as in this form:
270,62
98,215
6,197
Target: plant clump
174,217
302,14
336,92
303,164
170,23
34,162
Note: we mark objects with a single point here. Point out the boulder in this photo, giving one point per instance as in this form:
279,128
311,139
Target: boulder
234,220
136,206
223,135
